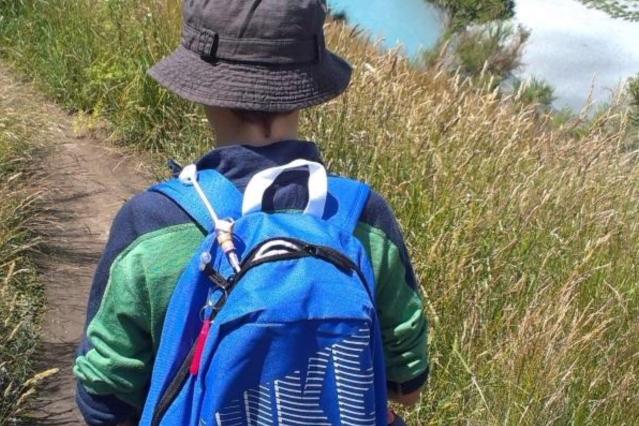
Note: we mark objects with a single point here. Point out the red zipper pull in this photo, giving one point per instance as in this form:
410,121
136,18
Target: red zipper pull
199,347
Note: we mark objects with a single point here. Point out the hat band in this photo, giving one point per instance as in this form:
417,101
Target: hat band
212,47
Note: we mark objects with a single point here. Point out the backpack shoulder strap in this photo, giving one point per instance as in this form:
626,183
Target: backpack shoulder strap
221,192
350,197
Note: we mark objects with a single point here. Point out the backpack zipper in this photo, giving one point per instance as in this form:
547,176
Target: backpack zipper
227,284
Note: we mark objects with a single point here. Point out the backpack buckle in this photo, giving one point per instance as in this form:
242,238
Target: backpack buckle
210,309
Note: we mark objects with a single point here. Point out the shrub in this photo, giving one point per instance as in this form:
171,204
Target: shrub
464,12
493,48
534,91
624,9
489,52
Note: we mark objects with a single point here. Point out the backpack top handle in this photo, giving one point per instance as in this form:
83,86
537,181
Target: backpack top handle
317,187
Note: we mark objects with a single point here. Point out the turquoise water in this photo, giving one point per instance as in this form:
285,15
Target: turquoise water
581,52
414,24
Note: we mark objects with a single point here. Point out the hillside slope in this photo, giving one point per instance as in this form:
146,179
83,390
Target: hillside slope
524,235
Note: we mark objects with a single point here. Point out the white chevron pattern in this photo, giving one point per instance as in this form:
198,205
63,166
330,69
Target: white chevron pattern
288,402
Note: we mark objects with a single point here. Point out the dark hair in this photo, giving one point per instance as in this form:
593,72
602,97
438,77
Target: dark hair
264,118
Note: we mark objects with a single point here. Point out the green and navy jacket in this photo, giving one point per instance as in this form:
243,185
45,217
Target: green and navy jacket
152,240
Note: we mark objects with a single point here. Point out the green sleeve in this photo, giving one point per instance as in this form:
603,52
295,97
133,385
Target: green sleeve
125,332
399,308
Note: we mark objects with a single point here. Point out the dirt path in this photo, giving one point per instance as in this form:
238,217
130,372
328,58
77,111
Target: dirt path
87,182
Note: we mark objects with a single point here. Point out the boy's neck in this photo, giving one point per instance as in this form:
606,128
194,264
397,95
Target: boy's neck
232,129
255,135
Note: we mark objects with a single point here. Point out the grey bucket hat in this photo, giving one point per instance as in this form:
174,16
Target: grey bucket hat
260,55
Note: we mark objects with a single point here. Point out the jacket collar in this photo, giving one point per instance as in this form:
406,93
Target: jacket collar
239,163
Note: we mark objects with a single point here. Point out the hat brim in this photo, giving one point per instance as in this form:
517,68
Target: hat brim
249,86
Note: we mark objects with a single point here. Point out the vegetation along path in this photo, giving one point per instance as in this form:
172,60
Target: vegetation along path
86,182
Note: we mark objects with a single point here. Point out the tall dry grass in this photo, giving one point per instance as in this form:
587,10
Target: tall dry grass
524,235
21,297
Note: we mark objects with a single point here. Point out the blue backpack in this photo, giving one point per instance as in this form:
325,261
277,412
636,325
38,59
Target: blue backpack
273,321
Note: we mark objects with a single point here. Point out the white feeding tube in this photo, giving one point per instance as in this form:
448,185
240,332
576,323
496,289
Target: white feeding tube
223,228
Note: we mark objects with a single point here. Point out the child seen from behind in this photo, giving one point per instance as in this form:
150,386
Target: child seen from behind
253,65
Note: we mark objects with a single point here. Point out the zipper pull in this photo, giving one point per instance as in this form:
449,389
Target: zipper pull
199,347
205,260
224,230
